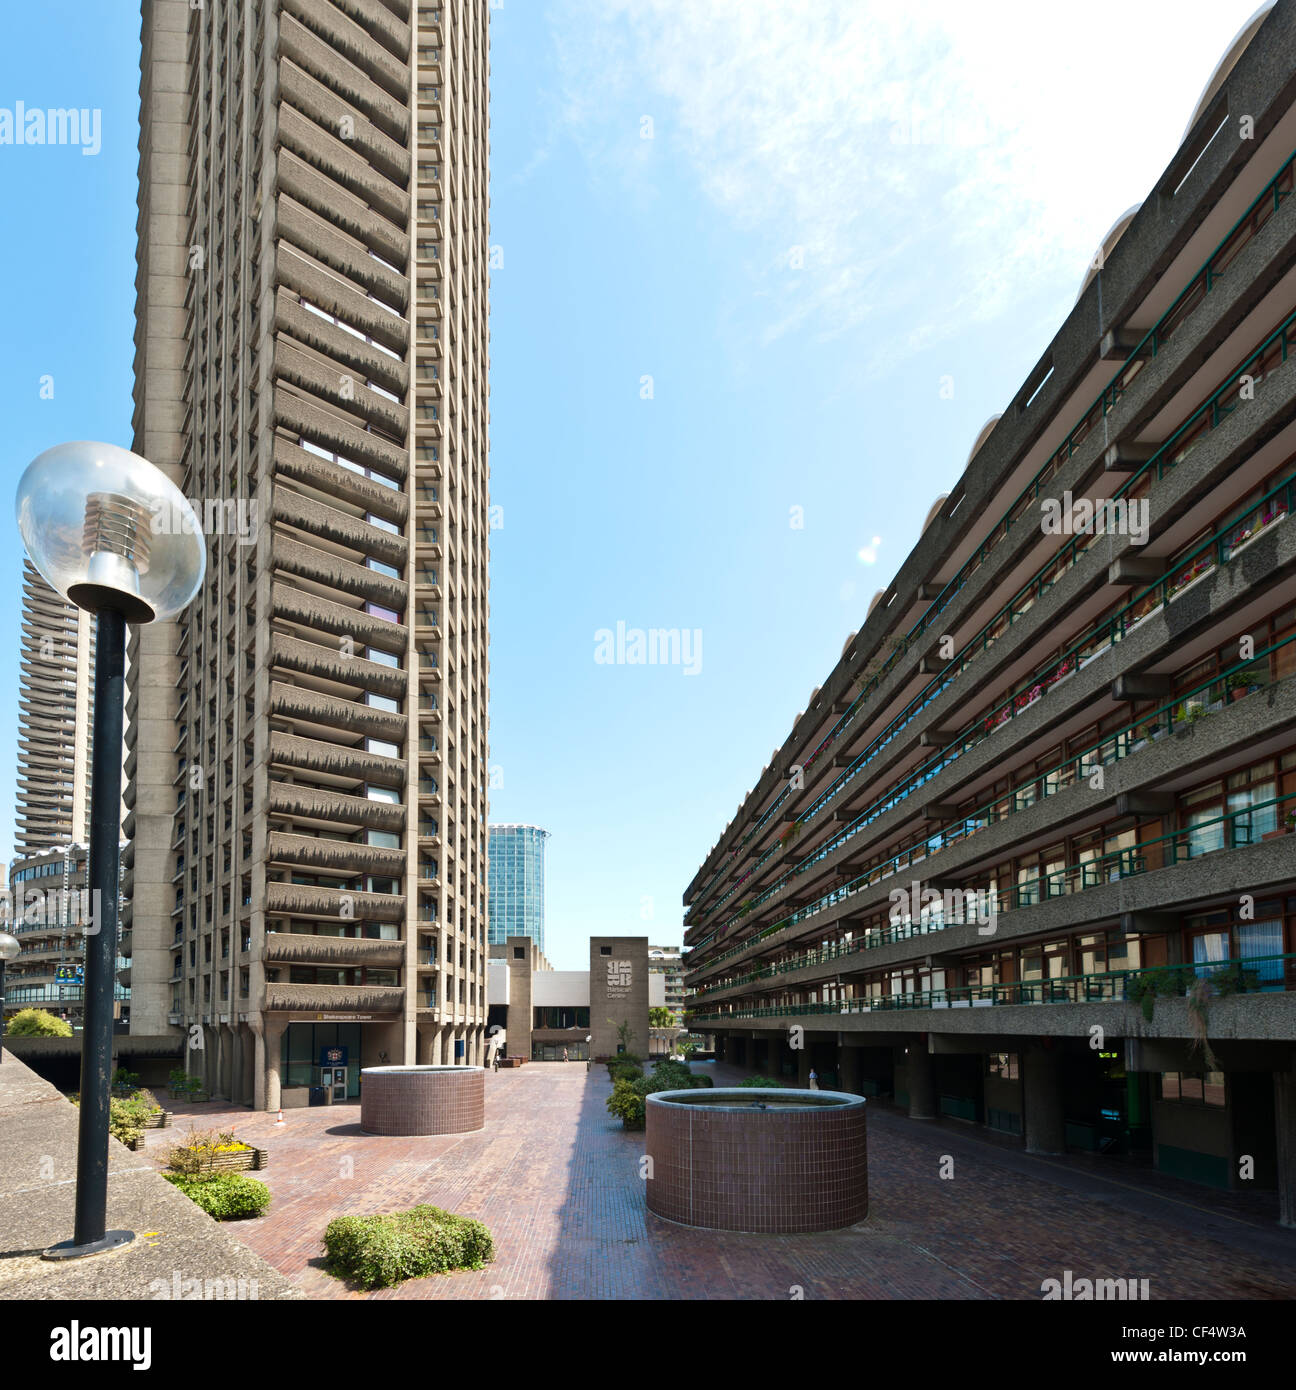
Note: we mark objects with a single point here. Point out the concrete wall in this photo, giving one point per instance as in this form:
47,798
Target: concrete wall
618,983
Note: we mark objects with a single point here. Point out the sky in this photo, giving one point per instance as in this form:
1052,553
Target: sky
763,269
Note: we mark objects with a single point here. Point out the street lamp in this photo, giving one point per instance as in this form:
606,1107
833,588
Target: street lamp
113,535
10,949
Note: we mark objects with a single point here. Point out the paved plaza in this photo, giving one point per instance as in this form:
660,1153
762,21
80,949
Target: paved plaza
556,1179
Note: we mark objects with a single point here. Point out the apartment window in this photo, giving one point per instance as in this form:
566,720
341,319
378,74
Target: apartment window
1193,1087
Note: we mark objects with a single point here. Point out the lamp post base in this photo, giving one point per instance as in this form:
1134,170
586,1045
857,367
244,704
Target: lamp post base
70,1250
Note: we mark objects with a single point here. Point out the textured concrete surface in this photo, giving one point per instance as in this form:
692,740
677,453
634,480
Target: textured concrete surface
176,1241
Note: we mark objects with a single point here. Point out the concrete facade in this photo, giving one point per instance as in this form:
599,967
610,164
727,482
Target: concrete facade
1039,811
307,743
619,992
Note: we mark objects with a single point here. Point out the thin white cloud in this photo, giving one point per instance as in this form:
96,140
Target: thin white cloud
994,141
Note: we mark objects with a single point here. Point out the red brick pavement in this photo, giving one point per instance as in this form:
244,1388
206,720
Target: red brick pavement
557,1181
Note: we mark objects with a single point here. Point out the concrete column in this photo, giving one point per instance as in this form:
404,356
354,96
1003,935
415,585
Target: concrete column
1285,1129
921,1073
236,1065
803,1067
211,1059
426,1042
848,1068
224,1070
249,1065
267,1061
1044,1118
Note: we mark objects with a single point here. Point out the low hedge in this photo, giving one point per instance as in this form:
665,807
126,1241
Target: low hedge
225,1197
628,1101
766,1081
379,1251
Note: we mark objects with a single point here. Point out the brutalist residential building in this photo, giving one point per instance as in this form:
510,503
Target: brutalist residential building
55,685
1026,858
307,743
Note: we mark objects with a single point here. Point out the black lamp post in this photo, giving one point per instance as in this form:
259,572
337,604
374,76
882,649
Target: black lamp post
113,535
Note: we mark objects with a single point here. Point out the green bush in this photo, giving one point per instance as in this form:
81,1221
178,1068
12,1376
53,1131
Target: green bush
181,1083
620,1070
37,1023
704,1081
224,1196
627,1103
379,1251
125,1118
672,1076
766,1081
126,1080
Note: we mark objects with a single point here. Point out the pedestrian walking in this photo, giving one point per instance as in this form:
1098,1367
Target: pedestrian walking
814,1079
565,1056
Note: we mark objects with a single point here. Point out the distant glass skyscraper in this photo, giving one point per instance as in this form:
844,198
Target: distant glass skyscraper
516,880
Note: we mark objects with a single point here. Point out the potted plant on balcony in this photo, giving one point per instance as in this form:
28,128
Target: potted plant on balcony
1239,686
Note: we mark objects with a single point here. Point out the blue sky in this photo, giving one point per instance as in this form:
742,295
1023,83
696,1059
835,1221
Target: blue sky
742,246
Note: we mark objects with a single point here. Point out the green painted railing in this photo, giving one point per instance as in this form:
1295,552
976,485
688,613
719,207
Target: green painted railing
1112,747
1241,975
1182,845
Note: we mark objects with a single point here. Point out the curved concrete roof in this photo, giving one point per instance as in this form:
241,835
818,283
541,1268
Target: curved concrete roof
935,509
1227,63
981,438
1106,246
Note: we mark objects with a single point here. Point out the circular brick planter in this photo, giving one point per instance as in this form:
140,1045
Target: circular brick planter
422,1100
772,1162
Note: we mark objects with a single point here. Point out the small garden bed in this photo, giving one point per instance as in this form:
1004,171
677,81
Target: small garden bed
383,1250
204,1154
130,1115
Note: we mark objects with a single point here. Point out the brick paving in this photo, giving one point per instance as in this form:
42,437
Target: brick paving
557,1181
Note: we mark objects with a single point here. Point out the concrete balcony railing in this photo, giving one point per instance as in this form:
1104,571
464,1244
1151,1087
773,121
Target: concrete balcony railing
324,853
377,999
304,900
303,949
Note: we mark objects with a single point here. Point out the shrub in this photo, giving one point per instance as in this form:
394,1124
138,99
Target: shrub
627,1103
621,1070
379,1251
125,1118
766,1081
672,1076
37,1023
126,1080
224,1196
703,1081
181,1083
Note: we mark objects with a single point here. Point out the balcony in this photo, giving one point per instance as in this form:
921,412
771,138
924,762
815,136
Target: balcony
1247,976
376,999
302,948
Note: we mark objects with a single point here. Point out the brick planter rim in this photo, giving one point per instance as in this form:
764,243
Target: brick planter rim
777,1101
411,1068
